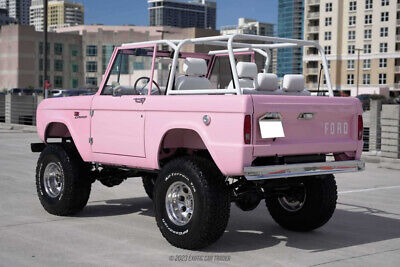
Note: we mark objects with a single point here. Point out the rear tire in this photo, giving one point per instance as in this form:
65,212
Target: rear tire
199,188
318,206
62,180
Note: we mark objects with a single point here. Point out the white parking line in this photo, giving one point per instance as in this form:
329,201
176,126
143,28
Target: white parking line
368,189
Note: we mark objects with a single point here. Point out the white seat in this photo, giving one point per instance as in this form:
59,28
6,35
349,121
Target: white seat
268,84
247,72
193,79
294,84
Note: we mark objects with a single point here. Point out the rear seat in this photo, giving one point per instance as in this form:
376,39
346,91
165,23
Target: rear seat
268,84
294,84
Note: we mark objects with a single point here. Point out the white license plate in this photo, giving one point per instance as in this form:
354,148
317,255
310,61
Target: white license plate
271,129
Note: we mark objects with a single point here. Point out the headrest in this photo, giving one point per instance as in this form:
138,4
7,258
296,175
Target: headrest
267,82
246,70
195,67
293,83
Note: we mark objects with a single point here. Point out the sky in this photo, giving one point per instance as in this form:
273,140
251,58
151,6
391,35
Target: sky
119,12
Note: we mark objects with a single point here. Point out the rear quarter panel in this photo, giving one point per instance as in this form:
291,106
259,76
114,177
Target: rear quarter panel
223,137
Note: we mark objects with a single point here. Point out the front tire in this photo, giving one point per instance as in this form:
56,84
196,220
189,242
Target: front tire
191,203
62,181
306,208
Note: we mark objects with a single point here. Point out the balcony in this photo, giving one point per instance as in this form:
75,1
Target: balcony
396,85
397,69
398,37
314,2
398,6
313,15
311,71
398,22
313,29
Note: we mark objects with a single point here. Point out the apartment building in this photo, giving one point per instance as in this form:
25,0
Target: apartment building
17,9
290,25
362,42
99,41
61,14
4,18
21,53
196,13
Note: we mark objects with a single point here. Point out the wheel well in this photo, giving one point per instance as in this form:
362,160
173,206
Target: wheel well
57,130
181,142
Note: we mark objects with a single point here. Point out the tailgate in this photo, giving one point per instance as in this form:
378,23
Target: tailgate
331,125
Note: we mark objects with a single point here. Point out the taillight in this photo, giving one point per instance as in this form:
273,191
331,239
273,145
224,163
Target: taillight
247,129
360,127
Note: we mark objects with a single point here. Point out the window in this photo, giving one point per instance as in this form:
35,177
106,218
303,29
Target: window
352,20
327,49
382,78
131,73
328,21
350,79
351,49
384,32
74,67
58,49
329,64
350,64
91,66
91,81
382,62
58,65
58,82
74,50
328,7
366,79
383,47
367,49
368,4
368,34
367,64
91,51
384,16
328,36
352,35
74,83
41,44
368,19
107,53
353,5
41,64
385,2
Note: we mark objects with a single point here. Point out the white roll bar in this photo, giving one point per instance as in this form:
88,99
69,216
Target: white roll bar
232,47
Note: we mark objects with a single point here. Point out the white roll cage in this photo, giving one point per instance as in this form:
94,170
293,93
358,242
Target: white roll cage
232,48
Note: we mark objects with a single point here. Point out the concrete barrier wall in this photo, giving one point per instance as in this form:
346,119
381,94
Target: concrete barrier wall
390,124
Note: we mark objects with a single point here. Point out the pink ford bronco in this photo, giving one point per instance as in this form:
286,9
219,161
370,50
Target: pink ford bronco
202,130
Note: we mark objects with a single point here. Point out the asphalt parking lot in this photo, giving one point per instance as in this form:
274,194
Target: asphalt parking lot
118,228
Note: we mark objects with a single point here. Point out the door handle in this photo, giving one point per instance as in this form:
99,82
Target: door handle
140,100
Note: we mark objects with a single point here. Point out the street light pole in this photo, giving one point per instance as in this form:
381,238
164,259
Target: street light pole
358,69
45,48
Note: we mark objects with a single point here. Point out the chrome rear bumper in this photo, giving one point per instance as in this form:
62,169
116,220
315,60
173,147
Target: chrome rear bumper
302,169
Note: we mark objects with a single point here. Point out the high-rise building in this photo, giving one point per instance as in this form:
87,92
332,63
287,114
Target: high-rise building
250,26
61,13
17,9
4,18
290,25
197,13
345,28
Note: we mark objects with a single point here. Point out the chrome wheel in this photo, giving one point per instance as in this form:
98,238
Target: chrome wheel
179,203
53,180
294,201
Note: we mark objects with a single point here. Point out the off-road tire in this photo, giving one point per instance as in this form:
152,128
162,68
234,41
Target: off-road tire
148,184
211,203
318,208
77,183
